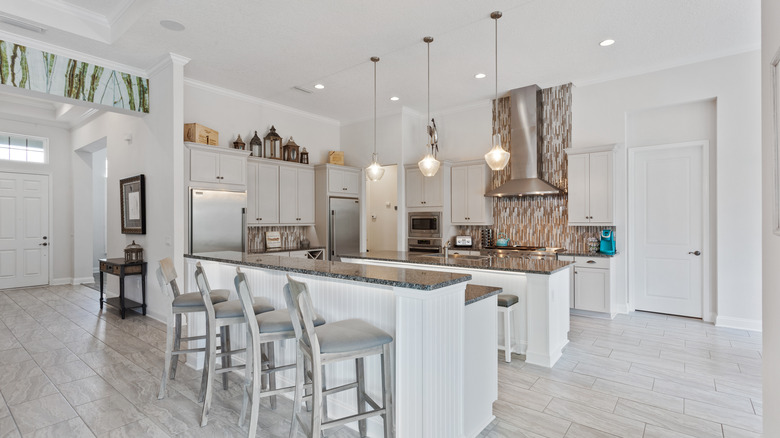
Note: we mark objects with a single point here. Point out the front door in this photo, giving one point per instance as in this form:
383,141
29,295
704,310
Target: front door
24,225
667,209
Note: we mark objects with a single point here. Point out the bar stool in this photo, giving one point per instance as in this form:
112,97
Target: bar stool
180,303
333,342
221,315
506,304
262,331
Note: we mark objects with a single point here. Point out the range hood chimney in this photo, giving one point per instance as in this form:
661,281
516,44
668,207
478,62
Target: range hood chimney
525,143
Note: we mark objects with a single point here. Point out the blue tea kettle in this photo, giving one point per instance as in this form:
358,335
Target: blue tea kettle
607,245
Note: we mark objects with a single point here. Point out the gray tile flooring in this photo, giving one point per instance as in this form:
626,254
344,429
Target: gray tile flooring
68,369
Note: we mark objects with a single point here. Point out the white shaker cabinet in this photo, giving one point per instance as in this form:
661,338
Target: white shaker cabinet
591,186
217,167
262,193
343,182
469,204
296,195
422,191
594,284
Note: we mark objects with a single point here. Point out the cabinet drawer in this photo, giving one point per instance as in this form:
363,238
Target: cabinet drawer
591,262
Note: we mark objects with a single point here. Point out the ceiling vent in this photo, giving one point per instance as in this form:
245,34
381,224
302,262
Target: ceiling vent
302,90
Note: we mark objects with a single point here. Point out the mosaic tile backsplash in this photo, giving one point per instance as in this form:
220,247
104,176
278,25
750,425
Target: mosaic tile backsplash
539,220
291,237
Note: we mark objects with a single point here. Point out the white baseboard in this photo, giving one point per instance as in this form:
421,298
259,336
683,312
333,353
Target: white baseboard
82,280
475,433
61,281
622,308
739,323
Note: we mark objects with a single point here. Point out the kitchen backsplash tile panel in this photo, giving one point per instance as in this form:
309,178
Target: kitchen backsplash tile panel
291,237
539,220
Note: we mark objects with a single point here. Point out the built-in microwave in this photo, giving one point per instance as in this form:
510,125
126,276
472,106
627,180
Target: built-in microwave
425,224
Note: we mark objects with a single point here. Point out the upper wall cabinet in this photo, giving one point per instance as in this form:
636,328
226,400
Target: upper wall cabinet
214,167
296,194
262,193
470,181
591,185
424,191
343,180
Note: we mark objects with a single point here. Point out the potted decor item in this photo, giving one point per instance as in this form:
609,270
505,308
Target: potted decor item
134,253
239,144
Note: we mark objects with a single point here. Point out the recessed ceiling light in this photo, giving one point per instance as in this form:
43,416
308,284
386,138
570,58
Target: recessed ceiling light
606,43
480,75
394,98
172,25
319,86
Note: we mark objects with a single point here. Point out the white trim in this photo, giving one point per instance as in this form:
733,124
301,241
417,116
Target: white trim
77,12
258,101
60,281
475,433
739,323
591,149
82,280
70,53
170,58
708,294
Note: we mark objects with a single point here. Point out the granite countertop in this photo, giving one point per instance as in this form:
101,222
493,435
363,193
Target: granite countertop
586,254
475,292
295,248
511,264
384,275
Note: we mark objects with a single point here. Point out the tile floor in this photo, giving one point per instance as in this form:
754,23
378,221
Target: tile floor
68,369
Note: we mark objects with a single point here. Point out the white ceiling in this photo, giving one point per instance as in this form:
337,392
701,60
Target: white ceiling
265,48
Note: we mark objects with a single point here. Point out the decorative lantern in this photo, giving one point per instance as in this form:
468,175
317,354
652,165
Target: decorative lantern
272,145
290,151
239,144
134,253
304,156
256,146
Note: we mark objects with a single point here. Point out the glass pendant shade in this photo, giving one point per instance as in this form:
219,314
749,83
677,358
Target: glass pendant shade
429,165
374,171
497,158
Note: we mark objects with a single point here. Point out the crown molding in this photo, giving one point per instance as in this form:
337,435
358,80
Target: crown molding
76,11
258,101
73,54
170,58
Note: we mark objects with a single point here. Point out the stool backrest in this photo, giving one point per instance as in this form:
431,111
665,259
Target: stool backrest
247,305
166,275
296,294
205,291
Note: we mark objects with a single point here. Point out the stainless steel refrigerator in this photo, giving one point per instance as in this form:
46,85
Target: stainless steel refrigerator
343,227
217,220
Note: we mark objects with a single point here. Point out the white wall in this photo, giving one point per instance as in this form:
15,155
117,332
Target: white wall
382,216
770,42
98,207
232,113
61,194
599,117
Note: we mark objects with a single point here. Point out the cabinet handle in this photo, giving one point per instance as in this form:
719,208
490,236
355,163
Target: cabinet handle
259,218
591,261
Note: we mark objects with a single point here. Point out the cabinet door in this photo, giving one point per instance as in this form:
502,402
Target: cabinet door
305,196
351,182
288,194
336,181
252,201
578,189
600,188
432,189
204,166
232,169
591,289
414,188
475,194
267,211
460,195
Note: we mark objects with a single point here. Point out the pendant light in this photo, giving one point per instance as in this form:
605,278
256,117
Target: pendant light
429,165
497,158
374,171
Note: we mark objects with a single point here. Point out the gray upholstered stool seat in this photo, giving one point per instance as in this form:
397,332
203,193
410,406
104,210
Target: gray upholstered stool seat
232,308
194,299
279,321
350,335
506,300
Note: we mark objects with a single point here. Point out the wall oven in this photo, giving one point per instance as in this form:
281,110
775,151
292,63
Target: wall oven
425,225
424,245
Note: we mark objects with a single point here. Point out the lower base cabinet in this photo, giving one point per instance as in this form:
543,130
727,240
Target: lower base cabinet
593,279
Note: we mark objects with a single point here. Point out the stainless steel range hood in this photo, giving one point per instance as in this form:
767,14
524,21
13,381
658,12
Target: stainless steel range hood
525,143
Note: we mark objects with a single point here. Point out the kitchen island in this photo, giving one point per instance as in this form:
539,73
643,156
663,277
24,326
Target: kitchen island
541,327
423,310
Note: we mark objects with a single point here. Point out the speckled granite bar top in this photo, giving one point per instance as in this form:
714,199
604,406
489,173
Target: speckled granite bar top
545,267
384,275
476,292
586,254
273,250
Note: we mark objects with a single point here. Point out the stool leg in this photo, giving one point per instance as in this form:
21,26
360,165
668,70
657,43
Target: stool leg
211,355
271,375
176,345
324,399
255,409
507,336
297,401
224,341
168,354
316,396
248,379
361,394
387,392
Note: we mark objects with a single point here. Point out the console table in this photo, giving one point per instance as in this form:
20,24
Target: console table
120,268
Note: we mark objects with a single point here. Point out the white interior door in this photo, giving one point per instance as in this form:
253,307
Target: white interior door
666,207
24,225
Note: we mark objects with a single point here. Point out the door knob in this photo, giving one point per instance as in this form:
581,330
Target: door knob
696,253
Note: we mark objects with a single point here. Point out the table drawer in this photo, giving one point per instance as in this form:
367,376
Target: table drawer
591,262
137,269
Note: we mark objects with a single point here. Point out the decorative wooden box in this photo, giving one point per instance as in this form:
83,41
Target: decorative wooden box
200,134
336,157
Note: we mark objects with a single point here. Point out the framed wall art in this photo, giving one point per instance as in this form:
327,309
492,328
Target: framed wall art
132,193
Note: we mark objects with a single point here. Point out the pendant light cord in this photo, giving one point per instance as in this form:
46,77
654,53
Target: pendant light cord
429,81
495,103
374,109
